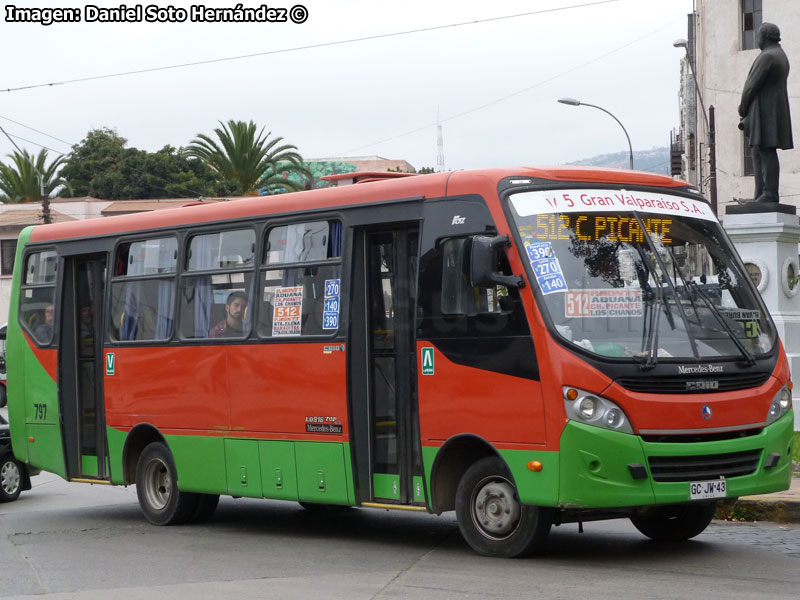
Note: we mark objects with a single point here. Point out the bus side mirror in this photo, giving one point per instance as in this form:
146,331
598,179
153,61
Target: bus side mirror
483,263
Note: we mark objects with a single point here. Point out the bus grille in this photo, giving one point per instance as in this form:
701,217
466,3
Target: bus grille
699,468
677,384
693,438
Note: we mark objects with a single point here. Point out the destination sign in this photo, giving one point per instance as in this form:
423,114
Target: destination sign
613,201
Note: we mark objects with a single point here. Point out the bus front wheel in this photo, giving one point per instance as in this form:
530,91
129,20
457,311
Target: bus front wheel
674,523
490,516
157,488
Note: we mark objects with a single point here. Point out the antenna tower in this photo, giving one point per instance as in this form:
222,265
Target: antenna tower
439,145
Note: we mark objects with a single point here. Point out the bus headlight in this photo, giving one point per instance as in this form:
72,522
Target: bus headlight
588,408
591,409
780,405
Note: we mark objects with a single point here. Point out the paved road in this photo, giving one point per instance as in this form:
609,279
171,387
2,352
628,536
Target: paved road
65,540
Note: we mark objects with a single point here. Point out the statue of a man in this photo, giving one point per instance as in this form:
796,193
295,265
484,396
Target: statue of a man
764,110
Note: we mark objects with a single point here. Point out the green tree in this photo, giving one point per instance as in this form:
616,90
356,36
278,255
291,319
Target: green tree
22,182
253,162
102,165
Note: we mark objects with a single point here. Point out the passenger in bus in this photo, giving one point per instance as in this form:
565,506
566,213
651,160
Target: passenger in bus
87,330
233,323
44,331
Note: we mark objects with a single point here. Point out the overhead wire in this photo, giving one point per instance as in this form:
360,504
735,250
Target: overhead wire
307,47
513,94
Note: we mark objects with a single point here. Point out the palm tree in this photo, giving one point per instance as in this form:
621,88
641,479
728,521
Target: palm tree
22,182
253,162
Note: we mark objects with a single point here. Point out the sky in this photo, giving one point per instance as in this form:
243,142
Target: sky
490,73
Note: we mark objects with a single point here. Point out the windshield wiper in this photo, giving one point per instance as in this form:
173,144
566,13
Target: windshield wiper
721,319
685,283
652,332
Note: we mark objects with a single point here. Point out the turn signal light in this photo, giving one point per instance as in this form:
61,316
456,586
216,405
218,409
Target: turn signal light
572,394
535,465
30,439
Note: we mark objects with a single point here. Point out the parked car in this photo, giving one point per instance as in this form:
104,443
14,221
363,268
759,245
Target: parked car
14,475
3,394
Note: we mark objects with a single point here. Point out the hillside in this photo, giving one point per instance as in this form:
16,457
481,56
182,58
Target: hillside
655,160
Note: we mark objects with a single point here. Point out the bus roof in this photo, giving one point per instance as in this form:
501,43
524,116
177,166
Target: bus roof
435,185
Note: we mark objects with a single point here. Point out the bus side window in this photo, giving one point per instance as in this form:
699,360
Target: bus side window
37,296
458,296
143,290
449,306
300,280
216,286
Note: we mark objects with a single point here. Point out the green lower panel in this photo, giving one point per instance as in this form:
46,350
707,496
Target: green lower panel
116,443
243,468
539,488
278,470
200,462
386,486
321,472
428,457
89,466
46,450
594,468
418,489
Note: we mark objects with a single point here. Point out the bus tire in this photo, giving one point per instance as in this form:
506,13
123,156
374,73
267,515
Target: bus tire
3,396
157,488
490,516
206,505
674,523
10,478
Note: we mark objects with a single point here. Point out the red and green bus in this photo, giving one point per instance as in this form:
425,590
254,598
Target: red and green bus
527,347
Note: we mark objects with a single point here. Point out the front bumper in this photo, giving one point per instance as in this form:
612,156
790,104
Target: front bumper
595,465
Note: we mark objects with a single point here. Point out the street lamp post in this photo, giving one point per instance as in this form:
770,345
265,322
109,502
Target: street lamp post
573,102
711,136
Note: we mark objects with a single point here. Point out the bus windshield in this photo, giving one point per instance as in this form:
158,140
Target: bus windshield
640,274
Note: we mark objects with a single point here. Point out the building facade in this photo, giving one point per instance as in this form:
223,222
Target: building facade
721,44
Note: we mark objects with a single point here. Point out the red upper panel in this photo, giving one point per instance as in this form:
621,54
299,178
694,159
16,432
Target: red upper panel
436,185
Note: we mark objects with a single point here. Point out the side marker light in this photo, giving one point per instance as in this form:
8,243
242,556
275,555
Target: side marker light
535,465
30,439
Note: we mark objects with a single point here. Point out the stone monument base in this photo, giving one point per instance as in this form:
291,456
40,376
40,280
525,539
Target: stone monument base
766,235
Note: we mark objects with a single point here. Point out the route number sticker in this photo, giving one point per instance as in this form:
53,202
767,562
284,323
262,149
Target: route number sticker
330,311
546,267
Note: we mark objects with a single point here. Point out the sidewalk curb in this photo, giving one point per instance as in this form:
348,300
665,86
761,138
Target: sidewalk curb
780,507
752,509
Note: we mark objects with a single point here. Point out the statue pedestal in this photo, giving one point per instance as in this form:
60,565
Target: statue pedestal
767,236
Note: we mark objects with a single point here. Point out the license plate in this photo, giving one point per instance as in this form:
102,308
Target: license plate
703,490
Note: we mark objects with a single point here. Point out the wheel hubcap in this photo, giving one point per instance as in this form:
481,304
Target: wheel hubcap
495,509
157,484
10,478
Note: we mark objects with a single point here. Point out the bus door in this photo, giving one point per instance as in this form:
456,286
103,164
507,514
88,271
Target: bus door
384,413
81,367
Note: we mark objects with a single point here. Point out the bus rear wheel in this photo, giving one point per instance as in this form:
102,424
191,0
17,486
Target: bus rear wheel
674,523
157,488
490,516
